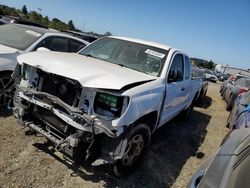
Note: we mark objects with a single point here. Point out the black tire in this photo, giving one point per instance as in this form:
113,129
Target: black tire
200,100
137,143
6,90
186,114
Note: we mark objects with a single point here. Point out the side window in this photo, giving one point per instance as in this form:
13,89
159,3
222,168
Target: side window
187,68
240,82
75,45
178,67
54,44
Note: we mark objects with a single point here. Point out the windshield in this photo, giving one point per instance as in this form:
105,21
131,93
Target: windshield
139,57
209,72
17,37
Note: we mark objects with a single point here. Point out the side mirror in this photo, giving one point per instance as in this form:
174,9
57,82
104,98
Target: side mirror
175,75
43,49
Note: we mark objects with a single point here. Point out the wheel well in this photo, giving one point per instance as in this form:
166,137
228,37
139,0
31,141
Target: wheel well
195,97
6,72
149,119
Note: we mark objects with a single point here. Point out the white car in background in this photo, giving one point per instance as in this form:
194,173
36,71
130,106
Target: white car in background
210,76
16,39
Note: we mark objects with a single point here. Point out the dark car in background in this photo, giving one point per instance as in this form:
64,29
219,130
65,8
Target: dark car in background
81,35
229,167
240,108
222,77
17,20
232,91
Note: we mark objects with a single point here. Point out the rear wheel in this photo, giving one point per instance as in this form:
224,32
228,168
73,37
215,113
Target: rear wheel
186,114
135,150
6,90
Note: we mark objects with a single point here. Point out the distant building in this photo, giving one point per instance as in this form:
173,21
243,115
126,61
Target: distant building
225,69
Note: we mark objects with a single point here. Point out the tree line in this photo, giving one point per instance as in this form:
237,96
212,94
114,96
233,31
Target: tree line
203,63
34,16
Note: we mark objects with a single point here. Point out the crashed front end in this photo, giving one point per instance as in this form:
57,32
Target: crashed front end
76,119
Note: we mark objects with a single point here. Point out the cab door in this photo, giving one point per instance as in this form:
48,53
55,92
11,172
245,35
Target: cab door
176,90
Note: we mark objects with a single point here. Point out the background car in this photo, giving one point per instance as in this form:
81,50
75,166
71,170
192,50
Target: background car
232,91
229,166
222,77
84,36
210,76
198,73
17,20
241,106
231,80
16,39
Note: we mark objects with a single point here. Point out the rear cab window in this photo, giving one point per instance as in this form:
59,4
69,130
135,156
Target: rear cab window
187,68
75,45
54,43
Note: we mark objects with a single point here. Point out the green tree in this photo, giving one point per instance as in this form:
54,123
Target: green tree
24,10
1,11
108,34
58,24
210,64
71,25
35,17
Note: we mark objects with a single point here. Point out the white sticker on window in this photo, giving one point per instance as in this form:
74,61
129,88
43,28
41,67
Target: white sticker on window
154,53
33,33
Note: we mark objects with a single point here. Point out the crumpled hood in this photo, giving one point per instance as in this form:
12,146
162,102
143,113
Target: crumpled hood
90,72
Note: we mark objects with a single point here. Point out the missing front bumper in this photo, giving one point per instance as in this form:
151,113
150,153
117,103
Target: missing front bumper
97,138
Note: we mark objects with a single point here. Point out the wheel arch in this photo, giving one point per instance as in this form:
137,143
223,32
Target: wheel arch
6,72
149,119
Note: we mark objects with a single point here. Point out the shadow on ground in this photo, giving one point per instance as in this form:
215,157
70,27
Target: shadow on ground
205,103
171,146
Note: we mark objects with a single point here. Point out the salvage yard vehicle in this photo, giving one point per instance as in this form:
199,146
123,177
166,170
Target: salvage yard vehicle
232,91
230,81
199,74
210,76
16,39
103,104
229,167
240,108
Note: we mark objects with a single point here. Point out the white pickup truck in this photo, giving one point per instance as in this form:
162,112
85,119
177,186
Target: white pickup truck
102,105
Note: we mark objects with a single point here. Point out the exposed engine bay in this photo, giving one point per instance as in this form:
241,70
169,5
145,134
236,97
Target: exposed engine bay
74,118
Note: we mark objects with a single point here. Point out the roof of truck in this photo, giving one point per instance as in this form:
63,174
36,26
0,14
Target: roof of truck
143,42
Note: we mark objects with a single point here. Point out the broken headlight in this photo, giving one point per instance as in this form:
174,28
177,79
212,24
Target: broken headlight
108,105
25,71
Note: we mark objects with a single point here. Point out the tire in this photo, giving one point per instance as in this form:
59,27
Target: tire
186,114
6,90
201,99
134,152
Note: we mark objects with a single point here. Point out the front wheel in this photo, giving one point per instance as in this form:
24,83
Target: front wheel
135,150
6,90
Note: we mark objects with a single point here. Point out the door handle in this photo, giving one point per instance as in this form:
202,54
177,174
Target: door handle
182,89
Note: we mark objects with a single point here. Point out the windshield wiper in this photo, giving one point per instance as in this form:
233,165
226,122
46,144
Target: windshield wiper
88,55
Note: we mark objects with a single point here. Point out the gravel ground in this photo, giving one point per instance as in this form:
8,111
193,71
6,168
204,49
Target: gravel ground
176,151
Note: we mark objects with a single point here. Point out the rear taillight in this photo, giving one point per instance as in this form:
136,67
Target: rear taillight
242,90
232,78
